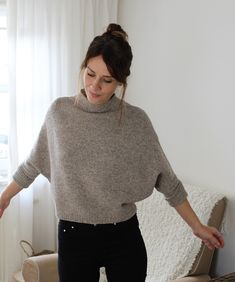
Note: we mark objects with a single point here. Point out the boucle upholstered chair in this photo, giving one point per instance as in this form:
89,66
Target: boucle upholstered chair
44,268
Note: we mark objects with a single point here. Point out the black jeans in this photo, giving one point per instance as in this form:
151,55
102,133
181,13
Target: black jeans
84,248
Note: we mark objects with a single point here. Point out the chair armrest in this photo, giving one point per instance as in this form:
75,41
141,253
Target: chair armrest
41,268
197,278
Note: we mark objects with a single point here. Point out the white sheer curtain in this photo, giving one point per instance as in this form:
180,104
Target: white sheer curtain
47,40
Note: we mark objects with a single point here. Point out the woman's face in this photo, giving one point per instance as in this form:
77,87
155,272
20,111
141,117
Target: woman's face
98,83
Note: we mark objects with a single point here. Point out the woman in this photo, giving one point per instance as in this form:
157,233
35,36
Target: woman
102,155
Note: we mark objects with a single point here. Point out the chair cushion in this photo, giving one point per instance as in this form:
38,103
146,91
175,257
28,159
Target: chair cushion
201,278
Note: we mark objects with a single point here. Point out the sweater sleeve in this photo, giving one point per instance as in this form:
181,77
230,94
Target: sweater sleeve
167,181
37,163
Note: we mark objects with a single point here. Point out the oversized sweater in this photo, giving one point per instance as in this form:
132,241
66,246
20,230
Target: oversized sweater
99,165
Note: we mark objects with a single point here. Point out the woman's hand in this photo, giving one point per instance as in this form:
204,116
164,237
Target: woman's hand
7,194
4,203
211,237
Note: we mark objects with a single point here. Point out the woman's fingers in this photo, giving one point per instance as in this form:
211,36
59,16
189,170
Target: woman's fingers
218,239
211,237
208,244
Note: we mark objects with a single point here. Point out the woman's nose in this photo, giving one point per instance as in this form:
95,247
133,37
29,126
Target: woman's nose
96,84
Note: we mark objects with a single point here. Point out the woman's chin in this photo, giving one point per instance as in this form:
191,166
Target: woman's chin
95,98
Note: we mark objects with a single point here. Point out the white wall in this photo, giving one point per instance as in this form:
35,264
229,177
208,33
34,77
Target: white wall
183,75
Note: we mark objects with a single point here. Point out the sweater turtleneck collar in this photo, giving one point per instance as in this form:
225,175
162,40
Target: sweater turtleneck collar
111,105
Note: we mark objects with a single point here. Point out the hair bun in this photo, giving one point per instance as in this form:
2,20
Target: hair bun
116,30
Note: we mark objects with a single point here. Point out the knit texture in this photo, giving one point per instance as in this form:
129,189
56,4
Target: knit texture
98,167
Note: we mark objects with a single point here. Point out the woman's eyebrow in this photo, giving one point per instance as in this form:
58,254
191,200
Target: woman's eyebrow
94,72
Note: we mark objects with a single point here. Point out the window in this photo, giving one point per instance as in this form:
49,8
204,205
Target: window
4,97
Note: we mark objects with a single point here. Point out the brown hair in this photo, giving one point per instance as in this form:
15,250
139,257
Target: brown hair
116,52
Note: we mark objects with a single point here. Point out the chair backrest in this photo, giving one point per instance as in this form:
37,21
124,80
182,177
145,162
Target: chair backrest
173,250
204,258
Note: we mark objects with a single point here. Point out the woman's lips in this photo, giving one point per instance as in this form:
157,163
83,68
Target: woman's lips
94,94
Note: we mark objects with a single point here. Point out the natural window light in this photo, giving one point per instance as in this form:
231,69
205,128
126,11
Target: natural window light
4,97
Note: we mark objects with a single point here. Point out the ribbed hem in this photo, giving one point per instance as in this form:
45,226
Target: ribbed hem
97,219
21,178
179,195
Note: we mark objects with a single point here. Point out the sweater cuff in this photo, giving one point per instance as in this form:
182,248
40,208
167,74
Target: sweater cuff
179,195
21,178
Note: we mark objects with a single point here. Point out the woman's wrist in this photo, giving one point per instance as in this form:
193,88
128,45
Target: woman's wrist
10,191
5,195
187,213
196,227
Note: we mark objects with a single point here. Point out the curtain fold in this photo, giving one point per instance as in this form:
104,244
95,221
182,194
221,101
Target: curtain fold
47,42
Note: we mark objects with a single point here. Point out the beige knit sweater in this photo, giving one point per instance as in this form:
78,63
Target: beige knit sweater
97,167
